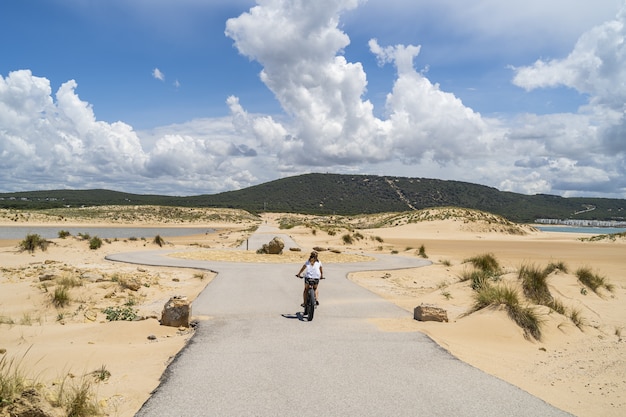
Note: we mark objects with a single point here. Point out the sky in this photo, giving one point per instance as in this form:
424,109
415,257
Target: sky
189,97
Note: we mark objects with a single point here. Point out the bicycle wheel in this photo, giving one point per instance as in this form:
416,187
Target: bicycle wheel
310,304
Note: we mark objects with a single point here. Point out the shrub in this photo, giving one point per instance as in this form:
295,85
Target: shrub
95,243
123,313
158,240
347,239
32,242
422,252
63,234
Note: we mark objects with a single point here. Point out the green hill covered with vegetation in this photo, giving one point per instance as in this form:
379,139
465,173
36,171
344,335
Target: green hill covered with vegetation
345,195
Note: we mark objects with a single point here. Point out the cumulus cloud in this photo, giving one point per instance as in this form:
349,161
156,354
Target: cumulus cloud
50,142
328,123
157,74
331,122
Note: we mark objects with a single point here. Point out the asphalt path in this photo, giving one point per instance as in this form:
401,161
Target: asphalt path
255,354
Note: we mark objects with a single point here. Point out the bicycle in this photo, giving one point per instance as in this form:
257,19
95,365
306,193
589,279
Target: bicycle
310,303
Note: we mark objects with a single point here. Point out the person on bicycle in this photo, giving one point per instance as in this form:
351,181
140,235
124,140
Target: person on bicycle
312,268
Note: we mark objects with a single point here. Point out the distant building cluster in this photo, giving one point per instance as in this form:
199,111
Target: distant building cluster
583,223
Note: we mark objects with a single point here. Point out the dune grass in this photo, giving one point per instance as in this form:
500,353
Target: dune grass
525,317
12,379
535,284
593,281
486,263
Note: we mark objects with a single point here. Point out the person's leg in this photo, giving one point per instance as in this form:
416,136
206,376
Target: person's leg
317,294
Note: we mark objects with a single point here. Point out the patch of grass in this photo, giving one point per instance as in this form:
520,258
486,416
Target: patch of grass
446,262
556,266
535,284
78,399
479,279
577,318
593,281
525,317
32,242
486,262
61,296
557,306
12,379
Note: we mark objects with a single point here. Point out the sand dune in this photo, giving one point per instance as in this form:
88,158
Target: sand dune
579,369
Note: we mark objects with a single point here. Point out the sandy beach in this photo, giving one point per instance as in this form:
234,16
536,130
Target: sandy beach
579,367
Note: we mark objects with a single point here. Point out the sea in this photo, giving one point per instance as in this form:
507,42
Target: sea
590,230
51,232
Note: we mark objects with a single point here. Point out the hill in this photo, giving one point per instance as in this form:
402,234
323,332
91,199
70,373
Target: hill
346,195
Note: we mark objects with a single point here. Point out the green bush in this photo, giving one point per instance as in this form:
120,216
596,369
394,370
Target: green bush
63,234
120,313
95,243
32,242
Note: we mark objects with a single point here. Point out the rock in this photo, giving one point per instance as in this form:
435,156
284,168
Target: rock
176,312
274,247
295,249
427,312
92,277
319,249
47,277
132,284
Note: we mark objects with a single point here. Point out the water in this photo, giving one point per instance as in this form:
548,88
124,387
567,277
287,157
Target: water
51,232
590,230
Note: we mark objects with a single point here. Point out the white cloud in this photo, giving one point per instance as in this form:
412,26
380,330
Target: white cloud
328,123
157,74
48,144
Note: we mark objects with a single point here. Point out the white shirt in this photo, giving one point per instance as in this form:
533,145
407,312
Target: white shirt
313,271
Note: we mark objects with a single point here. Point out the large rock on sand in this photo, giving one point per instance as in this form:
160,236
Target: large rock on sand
176,312
274,247
427,312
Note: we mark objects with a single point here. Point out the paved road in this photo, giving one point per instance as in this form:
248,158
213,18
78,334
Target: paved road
257,356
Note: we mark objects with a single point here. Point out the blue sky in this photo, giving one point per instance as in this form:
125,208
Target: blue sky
190,97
